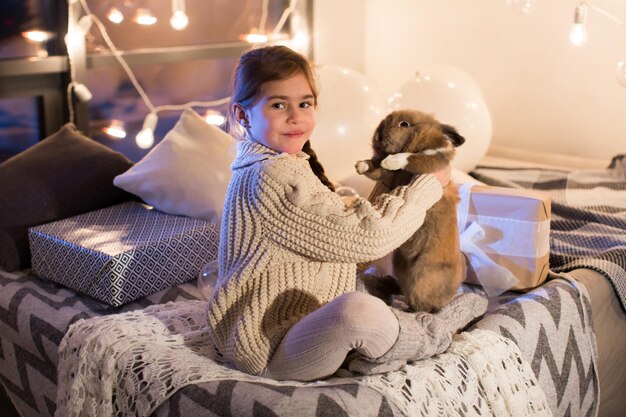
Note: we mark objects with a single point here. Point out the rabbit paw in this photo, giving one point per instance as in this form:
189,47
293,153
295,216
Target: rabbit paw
362,167
396,161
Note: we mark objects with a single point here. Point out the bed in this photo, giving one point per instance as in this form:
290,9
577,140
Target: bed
570,332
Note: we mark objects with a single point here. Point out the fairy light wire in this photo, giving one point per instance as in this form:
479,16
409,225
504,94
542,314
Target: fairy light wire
70,62
152,109
605,13
283,18
264,13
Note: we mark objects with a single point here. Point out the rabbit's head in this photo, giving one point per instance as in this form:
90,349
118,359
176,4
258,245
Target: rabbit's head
413,131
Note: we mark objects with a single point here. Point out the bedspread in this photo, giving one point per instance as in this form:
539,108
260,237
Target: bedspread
553,327
34,316
588,225
128,364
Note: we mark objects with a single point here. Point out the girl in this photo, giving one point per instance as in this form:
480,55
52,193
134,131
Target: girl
285,304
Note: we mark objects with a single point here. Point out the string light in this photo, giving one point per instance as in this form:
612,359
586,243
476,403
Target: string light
82,92
145,138
115,15
36,35
179,20
215,118
115,129
254,37
144,17
260,36
75,41
578,34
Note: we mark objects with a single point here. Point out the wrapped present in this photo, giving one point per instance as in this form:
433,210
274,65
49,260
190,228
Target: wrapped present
122,253
505,236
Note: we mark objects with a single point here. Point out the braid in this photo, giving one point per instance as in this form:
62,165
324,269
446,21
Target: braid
316,165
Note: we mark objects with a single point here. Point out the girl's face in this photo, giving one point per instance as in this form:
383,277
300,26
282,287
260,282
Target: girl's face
283,116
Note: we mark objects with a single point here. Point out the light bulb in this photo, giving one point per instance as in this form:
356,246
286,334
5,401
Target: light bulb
254,37
578,34
115,129
82,92
75,37
145,138
620,73
179,20
84,24
115,15
37,35
144,17
215,118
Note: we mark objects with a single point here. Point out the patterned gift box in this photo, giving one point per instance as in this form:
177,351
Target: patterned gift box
122,253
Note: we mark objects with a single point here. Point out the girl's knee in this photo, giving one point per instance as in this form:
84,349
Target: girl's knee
357,309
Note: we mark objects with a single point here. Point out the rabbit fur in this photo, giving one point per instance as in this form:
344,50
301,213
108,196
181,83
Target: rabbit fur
429,266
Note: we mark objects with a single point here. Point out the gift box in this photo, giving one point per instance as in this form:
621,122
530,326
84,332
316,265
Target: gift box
122,253
505,236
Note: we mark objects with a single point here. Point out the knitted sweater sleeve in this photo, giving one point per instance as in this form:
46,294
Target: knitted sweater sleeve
305,217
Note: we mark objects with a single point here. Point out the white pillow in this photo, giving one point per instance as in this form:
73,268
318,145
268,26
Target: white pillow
187,173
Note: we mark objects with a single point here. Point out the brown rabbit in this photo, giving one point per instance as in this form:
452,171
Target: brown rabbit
429,266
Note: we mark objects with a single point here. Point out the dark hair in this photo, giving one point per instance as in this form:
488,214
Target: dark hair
272,63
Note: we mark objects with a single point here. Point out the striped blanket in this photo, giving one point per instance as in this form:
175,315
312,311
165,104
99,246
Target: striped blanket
588,226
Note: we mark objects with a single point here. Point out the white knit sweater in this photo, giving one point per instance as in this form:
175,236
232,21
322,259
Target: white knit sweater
288,245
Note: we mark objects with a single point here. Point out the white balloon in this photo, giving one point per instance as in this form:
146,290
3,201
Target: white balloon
349,108
454,98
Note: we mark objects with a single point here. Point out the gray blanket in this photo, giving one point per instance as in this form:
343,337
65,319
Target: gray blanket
550,325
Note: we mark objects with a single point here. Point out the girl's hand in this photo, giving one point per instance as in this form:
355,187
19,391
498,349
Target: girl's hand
444,175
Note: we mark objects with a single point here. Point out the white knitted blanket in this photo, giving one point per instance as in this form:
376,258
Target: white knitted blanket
128,364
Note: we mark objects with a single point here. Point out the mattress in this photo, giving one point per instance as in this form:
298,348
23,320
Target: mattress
587,180
571,331
35,314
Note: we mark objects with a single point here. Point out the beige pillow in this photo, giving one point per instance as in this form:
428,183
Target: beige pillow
187,173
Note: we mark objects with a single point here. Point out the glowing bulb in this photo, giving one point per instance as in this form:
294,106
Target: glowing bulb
82,92
115,15
578,34
144,17
84,24
115,129
75,37
37,35
215,118
254,37
298,42
620,73
145,138
179,20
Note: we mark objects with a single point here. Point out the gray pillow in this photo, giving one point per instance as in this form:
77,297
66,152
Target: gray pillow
61,176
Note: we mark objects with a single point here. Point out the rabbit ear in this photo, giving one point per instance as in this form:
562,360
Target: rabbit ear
452,135
378,133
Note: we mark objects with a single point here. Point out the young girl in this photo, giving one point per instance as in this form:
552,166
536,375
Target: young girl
285,304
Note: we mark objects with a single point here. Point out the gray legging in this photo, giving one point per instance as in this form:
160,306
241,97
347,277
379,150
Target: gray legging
316,346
